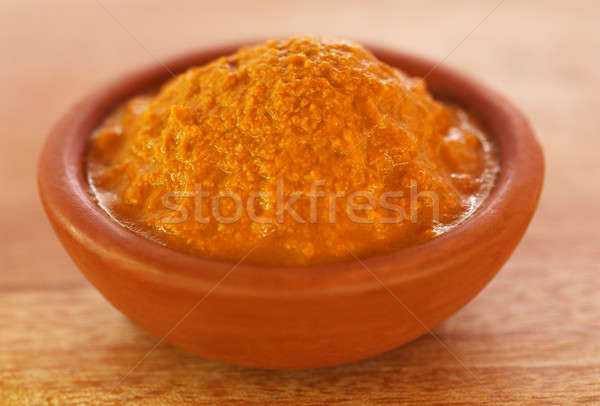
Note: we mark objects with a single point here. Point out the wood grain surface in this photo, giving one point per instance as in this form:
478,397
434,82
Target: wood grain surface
531,337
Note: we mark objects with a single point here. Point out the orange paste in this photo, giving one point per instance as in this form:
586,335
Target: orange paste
293,152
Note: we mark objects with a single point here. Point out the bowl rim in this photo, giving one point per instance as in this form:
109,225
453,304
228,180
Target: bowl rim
65,193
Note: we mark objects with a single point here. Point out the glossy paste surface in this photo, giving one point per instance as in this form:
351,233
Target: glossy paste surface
302,151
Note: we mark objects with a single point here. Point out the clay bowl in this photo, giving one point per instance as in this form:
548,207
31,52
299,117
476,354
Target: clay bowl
287,318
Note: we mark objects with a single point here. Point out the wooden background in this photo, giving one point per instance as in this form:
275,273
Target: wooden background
531,337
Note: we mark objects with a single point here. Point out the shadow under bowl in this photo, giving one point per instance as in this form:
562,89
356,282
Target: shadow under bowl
286,317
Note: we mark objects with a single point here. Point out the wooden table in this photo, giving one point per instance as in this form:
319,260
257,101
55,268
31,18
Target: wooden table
531,337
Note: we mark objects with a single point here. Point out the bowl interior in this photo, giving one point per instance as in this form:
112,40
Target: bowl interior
503,123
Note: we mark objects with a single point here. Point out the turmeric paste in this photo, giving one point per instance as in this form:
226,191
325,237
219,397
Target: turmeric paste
302,151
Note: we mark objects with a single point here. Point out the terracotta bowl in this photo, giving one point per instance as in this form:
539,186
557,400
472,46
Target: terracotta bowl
281,317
